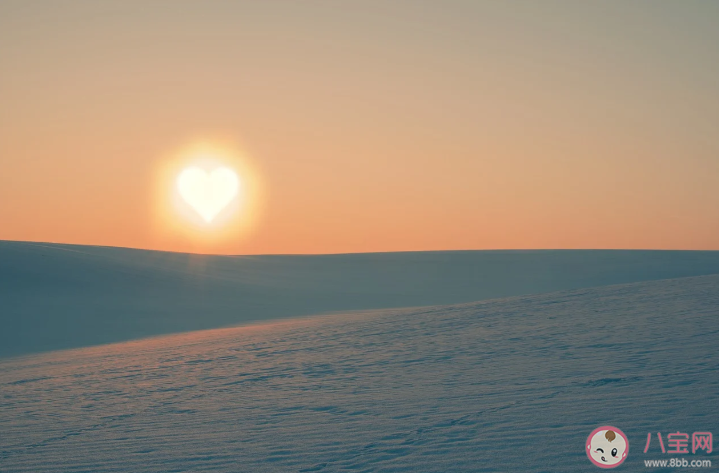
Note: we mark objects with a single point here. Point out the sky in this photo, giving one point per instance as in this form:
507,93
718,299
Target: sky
363,126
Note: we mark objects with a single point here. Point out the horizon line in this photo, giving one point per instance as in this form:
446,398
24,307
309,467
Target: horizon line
40,243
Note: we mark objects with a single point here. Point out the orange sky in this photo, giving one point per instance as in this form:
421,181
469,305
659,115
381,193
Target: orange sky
370,126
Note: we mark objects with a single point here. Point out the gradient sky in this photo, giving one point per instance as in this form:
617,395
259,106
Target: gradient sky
374,126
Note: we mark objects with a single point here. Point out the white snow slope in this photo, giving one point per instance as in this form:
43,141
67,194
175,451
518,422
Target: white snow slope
511,385
68,296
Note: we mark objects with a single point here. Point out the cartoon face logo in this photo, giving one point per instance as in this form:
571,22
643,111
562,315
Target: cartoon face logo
607,447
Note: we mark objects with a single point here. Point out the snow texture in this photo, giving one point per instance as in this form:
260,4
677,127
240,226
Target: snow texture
512,384
65,296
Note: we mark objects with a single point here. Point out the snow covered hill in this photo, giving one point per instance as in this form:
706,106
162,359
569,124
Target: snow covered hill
65,296
510,385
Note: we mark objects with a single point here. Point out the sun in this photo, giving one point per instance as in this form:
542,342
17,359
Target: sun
207,190
208,193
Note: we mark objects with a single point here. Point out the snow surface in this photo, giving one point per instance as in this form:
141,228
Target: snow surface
512,385
67,296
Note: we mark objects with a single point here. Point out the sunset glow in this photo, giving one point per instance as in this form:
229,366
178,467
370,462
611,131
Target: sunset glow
486,125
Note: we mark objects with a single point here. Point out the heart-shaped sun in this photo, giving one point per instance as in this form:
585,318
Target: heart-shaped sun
208,193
